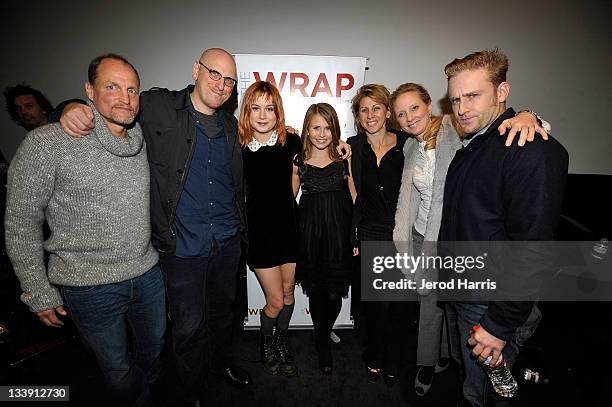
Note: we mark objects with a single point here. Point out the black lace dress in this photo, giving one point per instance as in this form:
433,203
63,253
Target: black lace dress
325,254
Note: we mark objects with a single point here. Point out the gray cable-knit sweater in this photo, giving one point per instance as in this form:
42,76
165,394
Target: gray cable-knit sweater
94,194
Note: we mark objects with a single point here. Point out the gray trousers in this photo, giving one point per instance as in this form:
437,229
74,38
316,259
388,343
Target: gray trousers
432,340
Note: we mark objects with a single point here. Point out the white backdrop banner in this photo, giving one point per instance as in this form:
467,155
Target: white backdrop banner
306,79
302,80
301,313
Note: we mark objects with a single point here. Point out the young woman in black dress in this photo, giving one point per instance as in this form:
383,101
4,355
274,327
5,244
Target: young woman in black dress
325,252
271,185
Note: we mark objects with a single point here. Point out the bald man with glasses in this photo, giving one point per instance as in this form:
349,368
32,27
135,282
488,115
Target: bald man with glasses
197,213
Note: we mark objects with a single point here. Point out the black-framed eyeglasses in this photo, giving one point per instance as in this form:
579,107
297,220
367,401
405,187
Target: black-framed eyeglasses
216,75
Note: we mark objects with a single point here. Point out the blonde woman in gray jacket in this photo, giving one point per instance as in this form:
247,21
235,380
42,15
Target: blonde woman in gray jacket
419,206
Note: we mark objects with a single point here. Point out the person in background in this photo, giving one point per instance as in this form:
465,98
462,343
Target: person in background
27,106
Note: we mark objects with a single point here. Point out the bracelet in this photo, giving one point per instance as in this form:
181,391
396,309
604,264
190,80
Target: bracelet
543,123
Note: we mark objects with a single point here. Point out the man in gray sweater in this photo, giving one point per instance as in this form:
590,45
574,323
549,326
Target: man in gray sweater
94,194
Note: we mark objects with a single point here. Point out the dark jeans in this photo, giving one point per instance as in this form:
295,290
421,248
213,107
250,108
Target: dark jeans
201,292
477,388
106,316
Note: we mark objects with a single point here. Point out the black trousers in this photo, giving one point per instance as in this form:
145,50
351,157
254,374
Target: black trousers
201,292
383,320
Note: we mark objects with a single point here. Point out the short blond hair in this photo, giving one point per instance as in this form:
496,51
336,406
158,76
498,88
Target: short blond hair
376,92
494,61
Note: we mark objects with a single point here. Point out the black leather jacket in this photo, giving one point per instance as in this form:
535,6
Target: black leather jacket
170,137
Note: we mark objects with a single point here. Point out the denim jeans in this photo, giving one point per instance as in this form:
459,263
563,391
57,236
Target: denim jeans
201,292
107,315
461,317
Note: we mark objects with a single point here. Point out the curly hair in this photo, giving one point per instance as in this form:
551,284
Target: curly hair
11,92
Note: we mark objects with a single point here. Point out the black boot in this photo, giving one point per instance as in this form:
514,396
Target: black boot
268,355
281,343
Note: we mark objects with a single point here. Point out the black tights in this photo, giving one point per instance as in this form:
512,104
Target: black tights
324,309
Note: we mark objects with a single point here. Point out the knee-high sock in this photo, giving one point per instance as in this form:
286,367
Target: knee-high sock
282,321
267,324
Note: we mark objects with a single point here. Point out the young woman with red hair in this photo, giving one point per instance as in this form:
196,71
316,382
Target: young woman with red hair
272,183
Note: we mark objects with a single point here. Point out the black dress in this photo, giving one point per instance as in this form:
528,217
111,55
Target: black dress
325,253
270,205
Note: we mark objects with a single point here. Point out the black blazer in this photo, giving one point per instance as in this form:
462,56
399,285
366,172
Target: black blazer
499,193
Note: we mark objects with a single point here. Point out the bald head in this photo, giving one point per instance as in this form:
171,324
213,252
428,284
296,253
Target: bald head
210,92
219,56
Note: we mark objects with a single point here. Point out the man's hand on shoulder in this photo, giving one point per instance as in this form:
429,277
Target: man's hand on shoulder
485,345
50,318
77,120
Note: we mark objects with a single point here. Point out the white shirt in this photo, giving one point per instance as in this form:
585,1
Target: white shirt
423,182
